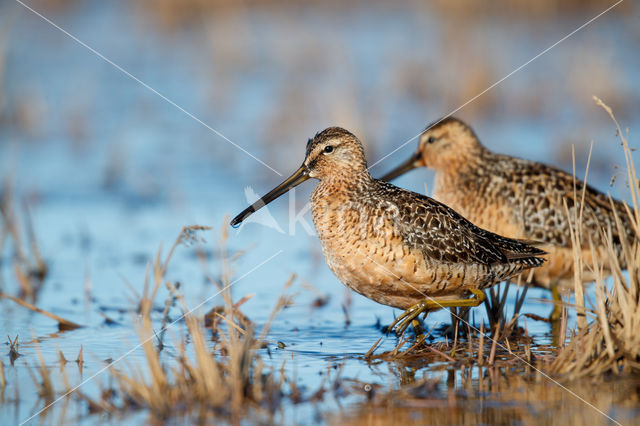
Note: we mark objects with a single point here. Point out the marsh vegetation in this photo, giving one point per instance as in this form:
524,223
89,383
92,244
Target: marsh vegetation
117,308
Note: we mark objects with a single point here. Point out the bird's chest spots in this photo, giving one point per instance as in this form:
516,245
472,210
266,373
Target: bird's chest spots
353,232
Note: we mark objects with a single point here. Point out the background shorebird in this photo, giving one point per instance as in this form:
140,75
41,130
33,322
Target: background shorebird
396,247
520,199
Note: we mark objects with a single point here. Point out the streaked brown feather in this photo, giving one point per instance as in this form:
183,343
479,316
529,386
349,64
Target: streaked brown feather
524,199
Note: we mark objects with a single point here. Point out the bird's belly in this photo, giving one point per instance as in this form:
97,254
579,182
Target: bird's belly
393,275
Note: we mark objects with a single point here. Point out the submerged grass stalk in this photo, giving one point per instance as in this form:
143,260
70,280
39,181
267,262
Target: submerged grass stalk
63,324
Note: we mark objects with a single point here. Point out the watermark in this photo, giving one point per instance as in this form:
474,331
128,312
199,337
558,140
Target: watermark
360,218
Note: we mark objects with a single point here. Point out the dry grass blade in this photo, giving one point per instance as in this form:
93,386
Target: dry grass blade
492,354
217,379
13,348
80,358
281,303
575,230
63,324
611,343
40,268
44,384
30,270
3,380
189,235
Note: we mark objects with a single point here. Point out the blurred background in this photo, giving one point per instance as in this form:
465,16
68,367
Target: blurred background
268,75
110,164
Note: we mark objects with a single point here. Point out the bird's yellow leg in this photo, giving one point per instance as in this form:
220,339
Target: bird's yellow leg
557,302
407,317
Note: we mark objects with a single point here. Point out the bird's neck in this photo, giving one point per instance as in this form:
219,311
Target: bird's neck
343,185
474,157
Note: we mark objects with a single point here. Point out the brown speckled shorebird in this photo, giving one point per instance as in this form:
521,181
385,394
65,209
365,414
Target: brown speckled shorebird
517,198
396,247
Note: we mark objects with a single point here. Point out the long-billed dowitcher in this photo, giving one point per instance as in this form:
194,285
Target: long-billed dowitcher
518,198
396,247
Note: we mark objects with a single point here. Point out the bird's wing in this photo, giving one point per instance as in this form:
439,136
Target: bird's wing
443,235
541,206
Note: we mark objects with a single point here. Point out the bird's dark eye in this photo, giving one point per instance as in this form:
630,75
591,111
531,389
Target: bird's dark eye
328,149
431,139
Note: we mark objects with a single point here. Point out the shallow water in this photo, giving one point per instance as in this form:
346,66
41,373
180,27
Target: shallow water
111,171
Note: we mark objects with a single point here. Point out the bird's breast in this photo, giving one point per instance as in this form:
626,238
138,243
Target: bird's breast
364,250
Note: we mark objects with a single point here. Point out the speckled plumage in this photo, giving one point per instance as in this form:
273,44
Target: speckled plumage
394,246
519,199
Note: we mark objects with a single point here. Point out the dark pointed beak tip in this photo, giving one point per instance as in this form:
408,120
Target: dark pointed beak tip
236,221
295,179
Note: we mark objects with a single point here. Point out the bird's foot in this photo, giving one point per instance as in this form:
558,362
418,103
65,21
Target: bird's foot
403,321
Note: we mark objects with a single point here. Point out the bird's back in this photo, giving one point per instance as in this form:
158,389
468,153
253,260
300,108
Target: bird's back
443,234
533,201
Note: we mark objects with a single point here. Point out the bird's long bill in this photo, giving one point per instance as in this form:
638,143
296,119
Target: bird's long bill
412,163
294,180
